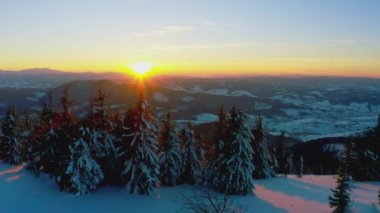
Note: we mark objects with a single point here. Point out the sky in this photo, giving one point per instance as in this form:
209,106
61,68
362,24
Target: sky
197,37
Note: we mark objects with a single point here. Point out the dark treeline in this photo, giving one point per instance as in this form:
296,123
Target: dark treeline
137,151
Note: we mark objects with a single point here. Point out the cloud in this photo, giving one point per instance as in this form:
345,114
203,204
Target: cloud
167,30
347,41
206,46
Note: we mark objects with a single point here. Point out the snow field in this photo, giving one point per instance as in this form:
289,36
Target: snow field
20,191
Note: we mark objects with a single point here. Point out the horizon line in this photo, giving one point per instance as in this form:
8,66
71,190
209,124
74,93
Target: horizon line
213,74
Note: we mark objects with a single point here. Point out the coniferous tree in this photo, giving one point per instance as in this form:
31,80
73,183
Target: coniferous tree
366,149
169,154
289,163
234,168
115,167
218,146
101,141
141,167
83,172
10,146
375,147
220,134
353,165
280,154
273,162
366,166
300,167
377,128
42,152
26,124
262,155
67,132
190,156
340,200
99,133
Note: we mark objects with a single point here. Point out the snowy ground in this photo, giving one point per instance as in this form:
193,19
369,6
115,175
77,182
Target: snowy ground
20,192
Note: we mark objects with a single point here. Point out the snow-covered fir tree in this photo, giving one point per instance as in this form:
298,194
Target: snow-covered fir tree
26,123
367,165
83,173
220,134
340,199
67,132
10,146
116,162
99,133
264,168
300,167
217,147
280,154
353,165
289,169
169,154
234,168
42,152
101,140
141,167
191,156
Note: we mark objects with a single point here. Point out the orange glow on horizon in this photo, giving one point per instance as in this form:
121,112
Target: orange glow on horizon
344,67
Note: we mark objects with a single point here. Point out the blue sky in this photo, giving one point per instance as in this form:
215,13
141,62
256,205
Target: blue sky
298,36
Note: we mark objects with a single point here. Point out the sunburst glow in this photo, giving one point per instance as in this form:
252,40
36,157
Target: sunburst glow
141,68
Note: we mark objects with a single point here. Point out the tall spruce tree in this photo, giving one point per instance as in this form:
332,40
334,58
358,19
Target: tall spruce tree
280,154
26,123
377,128
101,140
141,167
220,134
367,165
300,167
67,132
83,172
10,146
99,133
42,153
191,156
353,165
234,168
169,154
340,199
289,168
217,146
262,156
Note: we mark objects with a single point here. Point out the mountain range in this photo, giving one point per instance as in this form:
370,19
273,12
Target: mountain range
304,107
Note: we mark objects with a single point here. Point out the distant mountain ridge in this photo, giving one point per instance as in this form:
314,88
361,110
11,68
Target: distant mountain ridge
81,75
306,108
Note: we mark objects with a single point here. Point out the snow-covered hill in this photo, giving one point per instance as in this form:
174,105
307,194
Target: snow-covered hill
305,107
21,192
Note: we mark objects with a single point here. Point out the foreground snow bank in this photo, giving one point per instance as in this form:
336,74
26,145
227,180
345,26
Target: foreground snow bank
20,192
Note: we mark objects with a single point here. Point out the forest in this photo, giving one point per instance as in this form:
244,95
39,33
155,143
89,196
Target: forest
135,150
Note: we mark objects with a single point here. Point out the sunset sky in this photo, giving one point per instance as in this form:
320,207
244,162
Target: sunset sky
197,37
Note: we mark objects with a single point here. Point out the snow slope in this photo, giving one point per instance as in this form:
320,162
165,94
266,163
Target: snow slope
20,191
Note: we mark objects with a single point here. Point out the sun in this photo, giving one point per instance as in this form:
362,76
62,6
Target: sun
141,68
